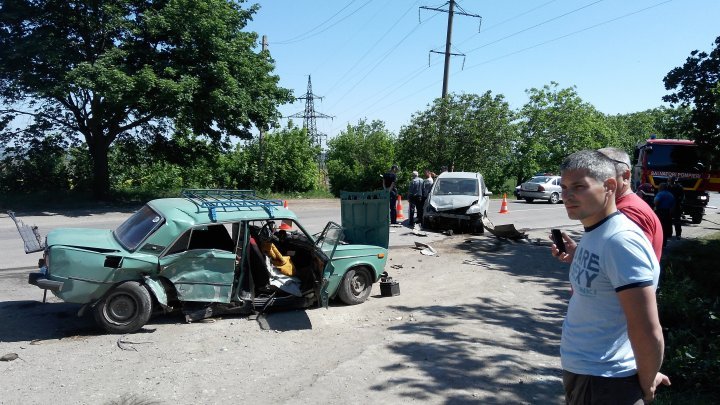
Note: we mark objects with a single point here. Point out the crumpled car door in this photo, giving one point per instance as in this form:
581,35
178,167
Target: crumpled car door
203,275
326,244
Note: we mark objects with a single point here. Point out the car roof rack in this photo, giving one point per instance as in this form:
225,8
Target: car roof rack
228,200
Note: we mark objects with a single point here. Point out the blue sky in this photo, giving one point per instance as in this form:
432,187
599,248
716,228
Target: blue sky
369,58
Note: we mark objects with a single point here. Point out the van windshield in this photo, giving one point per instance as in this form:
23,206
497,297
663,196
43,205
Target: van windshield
136,228
456,187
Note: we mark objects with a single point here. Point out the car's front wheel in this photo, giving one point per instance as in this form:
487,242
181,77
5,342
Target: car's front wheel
126,309
355,287
554,198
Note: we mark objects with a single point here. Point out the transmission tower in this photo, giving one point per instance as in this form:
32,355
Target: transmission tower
309,116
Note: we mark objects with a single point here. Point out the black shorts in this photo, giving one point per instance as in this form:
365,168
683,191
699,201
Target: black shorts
590,389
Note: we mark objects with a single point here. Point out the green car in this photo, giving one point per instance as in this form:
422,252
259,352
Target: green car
216,252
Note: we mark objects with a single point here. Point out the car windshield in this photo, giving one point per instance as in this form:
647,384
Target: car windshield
136,228
539,180
456,187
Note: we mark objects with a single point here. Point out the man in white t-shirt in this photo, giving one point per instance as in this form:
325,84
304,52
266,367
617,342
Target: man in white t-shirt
612,345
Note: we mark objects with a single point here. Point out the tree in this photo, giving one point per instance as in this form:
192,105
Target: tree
555,123
358,156
471,132
697,84
101,69
663,122
289,162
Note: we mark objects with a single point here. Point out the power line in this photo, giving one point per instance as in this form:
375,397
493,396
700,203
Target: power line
536,25
382,59
378,106
397,21
327,28
570,34
316,27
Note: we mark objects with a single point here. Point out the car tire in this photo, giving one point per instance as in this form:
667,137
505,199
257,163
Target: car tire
125,309
529,200
554,198
356,286
696,219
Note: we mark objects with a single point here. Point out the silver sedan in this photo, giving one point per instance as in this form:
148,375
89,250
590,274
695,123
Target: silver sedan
541,188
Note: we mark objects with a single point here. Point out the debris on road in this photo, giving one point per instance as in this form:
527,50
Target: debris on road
476,262
9,357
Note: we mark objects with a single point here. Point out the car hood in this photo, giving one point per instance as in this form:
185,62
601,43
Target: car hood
451,202
93,239
344,251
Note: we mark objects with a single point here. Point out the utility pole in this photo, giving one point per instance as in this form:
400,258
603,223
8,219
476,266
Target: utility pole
262,130
448,39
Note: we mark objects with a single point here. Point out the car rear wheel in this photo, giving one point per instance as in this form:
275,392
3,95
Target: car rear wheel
356,286
126,309
554,198
529,200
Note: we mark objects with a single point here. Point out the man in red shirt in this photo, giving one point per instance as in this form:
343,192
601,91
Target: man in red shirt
629,203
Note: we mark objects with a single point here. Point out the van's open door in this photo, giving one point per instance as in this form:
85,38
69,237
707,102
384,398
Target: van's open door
366,217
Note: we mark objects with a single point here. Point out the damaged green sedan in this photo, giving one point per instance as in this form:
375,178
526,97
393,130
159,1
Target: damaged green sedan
215,252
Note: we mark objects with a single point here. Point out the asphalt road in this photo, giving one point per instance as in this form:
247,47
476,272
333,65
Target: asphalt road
535,218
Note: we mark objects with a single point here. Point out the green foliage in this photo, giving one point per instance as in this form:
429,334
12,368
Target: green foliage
689,306
555,123
468,132
288,163
663,122
696,85
358,156
36,166
118,67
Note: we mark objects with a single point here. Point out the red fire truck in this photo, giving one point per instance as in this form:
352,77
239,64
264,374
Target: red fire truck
657,160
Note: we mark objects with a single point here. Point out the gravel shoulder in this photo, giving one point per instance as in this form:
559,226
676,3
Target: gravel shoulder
483,331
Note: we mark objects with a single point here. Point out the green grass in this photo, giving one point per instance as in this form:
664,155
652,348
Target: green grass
689,305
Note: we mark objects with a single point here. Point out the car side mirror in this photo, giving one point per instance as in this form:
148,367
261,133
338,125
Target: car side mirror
488,193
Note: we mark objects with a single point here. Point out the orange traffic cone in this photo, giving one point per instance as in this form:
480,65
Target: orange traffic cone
285,205
399,208
503,206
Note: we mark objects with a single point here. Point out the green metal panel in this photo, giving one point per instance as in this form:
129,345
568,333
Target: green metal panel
366,217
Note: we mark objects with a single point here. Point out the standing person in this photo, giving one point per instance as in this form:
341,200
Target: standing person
676,189
612,345
415,198
390,184
427,187
631,204
664,206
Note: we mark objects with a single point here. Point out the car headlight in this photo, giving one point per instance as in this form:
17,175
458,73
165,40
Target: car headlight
703,198
474,209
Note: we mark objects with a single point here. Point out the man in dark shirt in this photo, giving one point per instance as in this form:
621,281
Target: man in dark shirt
390,184
676,189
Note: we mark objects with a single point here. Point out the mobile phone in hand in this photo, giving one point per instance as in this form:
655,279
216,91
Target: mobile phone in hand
558,239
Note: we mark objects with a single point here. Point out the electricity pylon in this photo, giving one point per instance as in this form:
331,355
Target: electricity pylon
309,116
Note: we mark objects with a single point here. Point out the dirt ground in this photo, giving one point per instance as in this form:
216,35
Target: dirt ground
480,323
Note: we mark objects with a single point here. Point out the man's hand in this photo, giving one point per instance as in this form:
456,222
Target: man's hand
570,247
660,378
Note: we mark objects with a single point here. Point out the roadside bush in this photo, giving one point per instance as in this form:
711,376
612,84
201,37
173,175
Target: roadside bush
358,156
689,305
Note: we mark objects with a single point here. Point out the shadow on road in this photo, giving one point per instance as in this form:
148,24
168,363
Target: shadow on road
461,362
